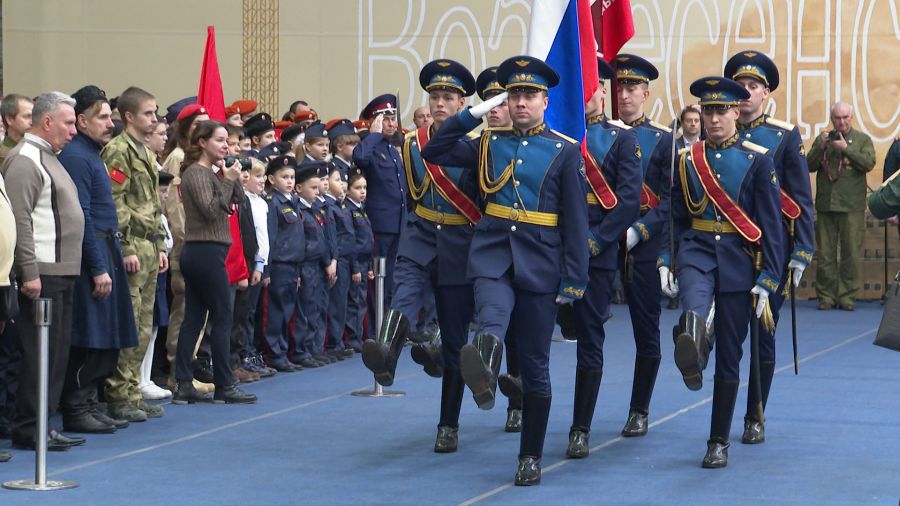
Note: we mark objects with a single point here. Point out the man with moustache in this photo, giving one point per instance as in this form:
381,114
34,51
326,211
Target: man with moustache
103,321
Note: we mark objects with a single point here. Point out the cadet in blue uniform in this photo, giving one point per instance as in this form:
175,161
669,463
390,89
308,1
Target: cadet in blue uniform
759,76
433,252
346,241
613,172
287,251
727,218
529,252
361,264
386,207
646,235
310,320
329,273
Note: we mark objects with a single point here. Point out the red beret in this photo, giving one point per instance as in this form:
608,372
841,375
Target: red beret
231,111
361,124
305,116
244,106
190,111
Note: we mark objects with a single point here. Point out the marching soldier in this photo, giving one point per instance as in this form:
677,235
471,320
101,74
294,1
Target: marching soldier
433,252
646,235
132,171
726,212
528,253
759,76
613,172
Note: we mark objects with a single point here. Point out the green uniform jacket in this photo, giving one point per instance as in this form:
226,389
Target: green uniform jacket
885,201
848,192
135,184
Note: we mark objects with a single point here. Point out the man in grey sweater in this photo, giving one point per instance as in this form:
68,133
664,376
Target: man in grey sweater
50,229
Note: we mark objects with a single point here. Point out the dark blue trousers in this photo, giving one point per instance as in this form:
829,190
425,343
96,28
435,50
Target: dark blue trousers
591,312
337,306
309,315
497,303
356,310
732,319
282,302
643,294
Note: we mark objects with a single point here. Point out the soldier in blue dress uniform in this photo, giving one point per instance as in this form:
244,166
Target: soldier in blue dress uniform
529,251
613,173
726,215
646,235
433,252
387,201
759,76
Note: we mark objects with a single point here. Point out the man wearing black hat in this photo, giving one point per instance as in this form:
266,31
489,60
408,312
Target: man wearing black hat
528,252
759,76
386,179
103,318
433,253
727,218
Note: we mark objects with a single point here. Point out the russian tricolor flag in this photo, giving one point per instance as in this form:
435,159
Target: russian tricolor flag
562,34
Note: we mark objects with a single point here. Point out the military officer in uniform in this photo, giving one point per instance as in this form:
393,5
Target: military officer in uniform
433,252
759,76
386,180
134,177
529,251
726,212
613,173
645,237
841,158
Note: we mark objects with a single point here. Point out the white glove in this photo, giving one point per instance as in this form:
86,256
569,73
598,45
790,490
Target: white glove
477,111
563,300
796,267
762,296
632,237
667,282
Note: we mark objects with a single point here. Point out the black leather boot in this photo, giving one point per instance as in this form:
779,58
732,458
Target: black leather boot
535,413
513,420
185,393
428,353
380,355
724,397
511,386
755,429
480,363
691,348
587,386
645,369
451,401
76,412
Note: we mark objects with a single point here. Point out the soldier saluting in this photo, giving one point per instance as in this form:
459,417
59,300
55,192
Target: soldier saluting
726,212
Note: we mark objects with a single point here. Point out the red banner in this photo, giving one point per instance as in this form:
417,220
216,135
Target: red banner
210,94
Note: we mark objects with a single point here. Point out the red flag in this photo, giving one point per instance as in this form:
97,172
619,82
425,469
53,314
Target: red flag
588,49
616,25
210,94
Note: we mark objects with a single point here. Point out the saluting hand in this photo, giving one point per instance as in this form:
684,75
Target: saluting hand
377,124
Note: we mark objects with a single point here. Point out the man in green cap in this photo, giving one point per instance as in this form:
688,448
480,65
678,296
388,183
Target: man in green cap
841,157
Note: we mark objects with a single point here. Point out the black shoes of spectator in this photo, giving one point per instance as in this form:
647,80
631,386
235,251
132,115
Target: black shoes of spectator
56,442
185,393
286,367
233,395
310,363
103,418
203,371
87,424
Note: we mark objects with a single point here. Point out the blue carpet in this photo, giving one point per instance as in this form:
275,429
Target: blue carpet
831,438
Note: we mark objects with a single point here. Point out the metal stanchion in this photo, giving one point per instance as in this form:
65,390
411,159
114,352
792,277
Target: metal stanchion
377,390
42,316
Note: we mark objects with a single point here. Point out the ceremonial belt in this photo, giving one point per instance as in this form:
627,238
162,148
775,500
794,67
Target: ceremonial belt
593,200
720,198
789,207
602,193
532,217
441,218
719,227
649,200
445,185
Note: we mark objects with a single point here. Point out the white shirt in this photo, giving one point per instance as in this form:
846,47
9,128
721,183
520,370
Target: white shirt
260,211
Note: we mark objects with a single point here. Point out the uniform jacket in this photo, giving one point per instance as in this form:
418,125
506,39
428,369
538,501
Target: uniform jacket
287,240
386,201
543,259
343,224
362,248
317,249
655,141
848,191
327,213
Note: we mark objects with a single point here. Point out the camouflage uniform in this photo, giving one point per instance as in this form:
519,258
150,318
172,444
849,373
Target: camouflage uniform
135,182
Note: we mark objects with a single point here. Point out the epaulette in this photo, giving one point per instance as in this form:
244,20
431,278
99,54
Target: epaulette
754,147
410,135
685,150
780,124
660,126
564,136
618,123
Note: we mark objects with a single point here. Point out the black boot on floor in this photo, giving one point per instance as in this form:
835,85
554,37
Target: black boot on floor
381,354
452,390
691,348
587,386
755,429
645,369
428,353
724,397
480,366
185,393
535,413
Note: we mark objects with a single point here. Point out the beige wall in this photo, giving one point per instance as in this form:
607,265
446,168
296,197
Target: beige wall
337,54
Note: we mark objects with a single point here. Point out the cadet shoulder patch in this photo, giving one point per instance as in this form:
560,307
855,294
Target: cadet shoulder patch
755,147
637,150
802,150
117,175
780,124
660,126
773,177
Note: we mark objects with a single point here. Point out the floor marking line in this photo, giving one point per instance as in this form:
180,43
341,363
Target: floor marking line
557,465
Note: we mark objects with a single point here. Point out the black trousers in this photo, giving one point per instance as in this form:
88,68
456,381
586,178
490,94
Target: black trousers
59,289
206,288
9,372
87,371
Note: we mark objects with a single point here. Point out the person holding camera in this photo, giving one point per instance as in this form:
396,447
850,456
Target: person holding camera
841,159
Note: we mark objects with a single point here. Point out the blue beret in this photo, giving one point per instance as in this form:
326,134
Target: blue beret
342,127
317,129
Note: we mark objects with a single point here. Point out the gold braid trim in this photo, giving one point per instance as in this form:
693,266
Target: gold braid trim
416,192
490,186
695,208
